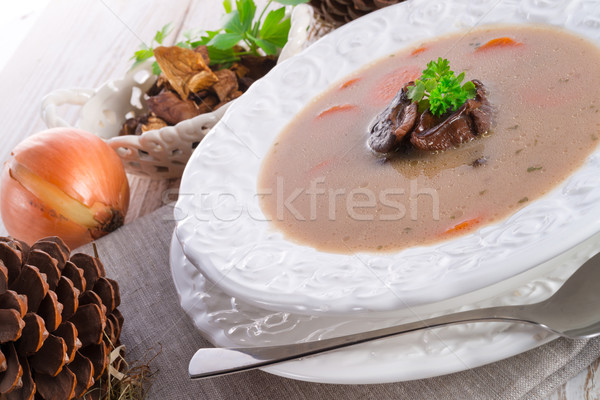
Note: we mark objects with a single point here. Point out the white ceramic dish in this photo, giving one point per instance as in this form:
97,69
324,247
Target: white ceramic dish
225,235
230,322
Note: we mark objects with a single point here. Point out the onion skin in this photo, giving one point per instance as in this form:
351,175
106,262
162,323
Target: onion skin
63,182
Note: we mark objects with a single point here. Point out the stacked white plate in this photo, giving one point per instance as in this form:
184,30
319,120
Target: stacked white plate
244,284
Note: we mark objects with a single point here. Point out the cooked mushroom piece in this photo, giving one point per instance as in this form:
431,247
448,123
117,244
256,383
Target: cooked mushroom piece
471,120
401,122
393,123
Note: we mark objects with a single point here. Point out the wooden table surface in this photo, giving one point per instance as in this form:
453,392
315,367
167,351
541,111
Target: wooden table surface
83,43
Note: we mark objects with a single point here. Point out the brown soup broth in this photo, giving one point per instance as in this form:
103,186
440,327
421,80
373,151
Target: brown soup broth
323,187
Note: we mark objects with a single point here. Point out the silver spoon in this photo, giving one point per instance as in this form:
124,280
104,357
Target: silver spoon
571,312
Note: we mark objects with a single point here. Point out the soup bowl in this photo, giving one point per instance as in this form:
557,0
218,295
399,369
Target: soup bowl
224,233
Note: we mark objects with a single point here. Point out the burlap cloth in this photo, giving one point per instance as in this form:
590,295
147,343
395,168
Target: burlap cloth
137,256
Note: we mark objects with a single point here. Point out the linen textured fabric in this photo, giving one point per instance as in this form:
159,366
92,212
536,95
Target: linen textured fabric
137,256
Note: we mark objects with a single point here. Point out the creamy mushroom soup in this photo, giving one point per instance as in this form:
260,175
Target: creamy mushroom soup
322,186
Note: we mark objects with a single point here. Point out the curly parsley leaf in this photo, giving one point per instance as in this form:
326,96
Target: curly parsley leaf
439,89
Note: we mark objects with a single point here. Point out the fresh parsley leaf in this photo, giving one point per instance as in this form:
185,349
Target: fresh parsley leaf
275,28
423,105
185,45
226,40
417,91
430,84
469,87
240,26
246,10
268,47
232,23
439,89
207,37
156,68
142,55
147,52
221,56
160,36
227,6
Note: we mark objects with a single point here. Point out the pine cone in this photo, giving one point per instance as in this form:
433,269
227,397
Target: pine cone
58,320
338,12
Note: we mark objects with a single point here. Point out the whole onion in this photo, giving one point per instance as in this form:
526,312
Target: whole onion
63,182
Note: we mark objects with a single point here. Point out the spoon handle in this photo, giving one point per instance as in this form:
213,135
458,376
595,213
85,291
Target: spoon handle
211,362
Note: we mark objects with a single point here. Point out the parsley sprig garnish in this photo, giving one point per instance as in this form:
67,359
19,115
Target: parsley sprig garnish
439,89
267,33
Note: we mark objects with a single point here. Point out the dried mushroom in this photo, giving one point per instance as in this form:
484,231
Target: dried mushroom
188,86
185,69
226,84
170,108
153,122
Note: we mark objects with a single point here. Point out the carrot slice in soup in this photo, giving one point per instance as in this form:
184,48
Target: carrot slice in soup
502,42
463,226
385,90
320,167
337,109
349,83
418,50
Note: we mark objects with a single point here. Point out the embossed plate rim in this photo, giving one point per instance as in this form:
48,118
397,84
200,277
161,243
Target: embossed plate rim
413,356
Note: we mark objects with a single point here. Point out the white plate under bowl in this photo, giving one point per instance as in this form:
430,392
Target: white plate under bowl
230,322
223,231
